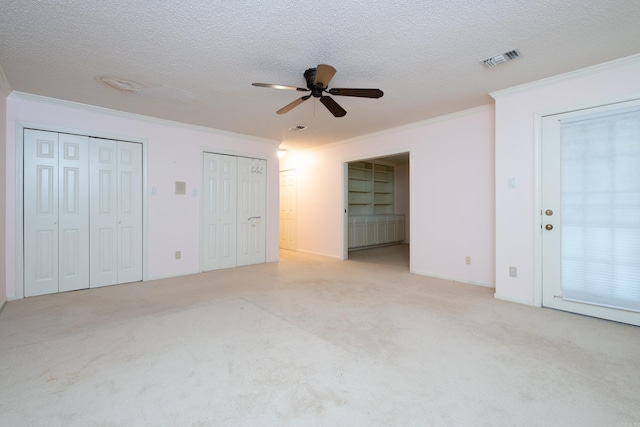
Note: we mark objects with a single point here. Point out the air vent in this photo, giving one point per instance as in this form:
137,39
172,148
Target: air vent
501,59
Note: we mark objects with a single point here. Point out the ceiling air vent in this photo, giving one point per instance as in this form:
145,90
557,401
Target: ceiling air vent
501,59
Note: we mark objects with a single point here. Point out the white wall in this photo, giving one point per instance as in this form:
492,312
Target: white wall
173,152
3,186
451,193
517,210
401,195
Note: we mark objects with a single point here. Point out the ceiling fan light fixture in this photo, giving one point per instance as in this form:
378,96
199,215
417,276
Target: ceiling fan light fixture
317,85
119,83
501,58
297,128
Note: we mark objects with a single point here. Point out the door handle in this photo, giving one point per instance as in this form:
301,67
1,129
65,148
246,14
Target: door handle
549,227
548,212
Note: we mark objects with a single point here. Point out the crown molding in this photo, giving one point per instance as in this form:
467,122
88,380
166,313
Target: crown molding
133,116
5,89
584,72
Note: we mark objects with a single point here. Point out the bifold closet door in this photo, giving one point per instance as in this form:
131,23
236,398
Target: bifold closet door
252,179
56,212
219,216
116,212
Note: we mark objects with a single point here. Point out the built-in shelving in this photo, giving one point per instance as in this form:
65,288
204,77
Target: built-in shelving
372,218
370,188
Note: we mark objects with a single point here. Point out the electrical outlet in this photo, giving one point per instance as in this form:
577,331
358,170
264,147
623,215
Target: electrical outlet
178,255
513,272
467,260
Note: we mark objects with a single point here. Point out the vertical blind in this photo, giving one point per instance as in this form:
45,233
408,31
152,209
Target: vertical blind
600,193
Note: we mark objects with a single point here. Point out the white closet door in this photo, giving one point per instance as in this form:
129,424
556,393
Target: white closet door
251,210
219,189
73,214
129,195
56,212
104,213
40,212
116,212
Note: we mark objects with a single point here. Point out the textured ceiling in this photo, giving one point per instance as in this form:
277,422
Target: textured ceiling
197,59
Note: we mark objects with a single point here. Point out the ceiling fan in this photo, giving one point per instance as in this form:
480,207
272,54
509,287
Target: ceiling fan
318,83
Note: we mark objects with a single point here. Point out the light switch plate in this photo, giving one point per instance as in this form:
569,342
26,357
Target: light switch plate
181,187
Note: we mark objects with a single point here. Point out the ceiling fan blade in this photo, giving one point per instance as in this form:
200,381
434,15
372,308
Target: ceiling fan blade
324,74
280,86
363,93
292,105
333,106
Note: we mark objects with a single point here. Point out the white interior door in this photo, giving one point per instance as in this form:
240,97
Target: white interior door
219,217
40,212
129,194
82,212
591,212
73,214
56,226
116,212
251,210
104,213
288,202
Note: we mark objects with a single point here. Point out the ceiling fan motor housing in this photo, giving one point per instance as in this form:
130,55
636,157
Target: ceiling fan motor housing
310,77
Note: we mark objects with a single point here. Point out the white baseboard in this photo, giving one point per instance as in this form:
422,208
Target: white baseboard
453,279
317,253
2,304
516,300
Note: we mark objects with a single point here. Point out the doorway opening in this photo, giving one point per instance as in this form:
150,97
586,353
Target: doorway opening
377,210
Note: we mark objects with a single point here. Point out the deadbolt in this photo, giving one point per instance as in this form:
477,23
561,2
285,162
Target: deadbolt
548,212
549,227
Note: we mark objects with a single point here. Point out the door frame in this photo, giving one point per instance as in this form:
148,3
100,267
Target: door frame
537,178
345,196
19,209
295,231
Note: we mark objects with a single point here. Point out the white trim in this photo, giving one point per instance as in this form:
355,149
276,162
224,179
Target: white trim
316,253
537,219
393,151
345,210
5,88
19,220
451,279
571,75
516,300
133,116
2,304
628,97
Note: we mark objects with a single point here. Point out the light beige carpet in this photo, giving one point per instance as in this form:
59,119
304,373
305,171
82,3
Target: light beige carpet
310,341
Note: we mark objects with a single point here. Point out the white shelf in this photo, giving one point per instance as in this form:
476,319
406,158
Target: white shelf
370,188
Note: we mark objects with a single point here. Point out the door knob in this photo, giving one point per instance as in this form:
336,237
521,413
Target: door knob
548,212
549,227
